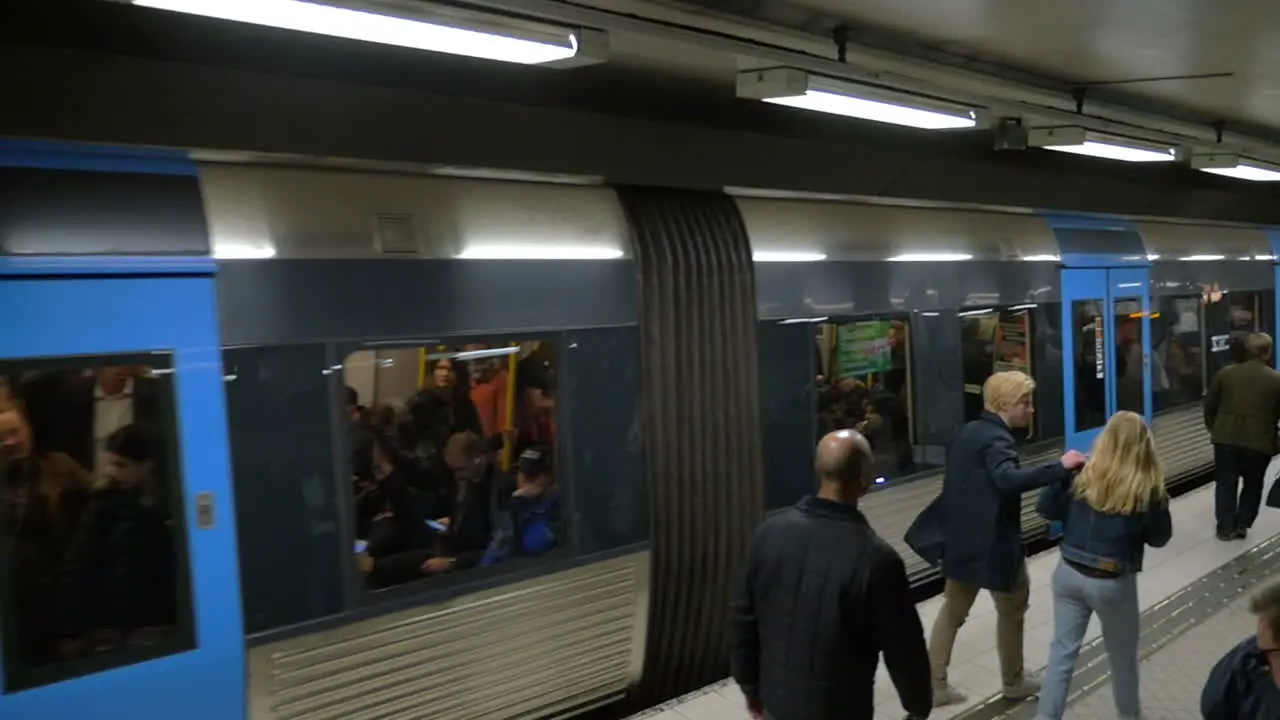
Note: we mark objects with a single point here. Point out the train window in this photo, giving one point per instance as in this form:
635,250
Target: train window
1229,317
1090,364
1130,383
92,533
1178,349
453,454
1020,337
864,381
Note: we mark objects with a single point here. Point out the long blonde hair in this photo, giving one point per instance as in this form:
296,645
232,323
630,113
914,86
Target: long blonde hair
1123,475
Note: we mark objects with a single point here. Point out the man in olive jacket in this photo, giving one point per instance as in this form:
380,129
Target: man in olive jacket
1241,411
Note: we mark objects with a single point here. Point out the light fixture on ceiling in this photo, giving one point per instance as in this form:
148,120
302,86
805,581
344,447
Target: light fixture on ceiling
1041,258
775,256
1079,141
1203,258
799,89
393,22
1234,166
931,257
538,252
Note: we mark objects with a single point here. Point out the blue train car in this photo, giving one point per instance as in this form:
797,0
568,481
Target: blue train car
208,369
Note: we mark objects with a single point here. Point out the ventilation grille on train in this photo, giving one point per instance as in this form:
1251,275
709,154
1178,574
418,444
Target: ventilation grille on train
531,649
393,234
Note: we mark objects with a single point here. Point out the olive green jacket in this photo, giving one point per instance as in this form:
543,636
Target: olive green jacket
1243,407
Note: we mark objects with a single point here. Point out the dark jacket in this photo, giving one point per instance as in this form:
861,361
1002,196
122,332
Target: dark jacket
122,572
1240,687
981,505
1243,405
1113,543
820,599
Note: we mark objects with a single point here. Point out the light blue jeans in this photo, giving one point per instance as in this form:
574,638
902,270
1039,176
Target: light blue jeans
1075,598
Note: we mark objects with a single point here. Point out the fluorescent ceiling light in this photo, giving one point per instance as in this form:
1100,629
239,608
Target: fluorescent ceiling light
1041,258
1028,306
1079,141
800,321
970,313
1264,257
799,89
931,257
1203,257
765,256
1233,166
538,252
547,46
242,251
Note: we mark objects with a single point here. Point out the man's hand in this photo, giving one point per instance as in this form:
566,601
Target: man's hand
1073,460
437,565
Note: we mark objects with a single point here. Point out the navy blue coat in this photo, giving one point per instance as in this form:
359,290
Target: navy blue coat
981,504
1240,687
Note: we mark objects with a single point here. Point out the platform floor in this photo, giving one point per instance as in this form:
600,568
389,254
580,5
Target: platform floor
1192,554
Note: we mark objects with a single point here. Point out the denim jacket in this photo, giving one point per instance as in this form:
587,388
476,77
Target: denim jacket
1109,542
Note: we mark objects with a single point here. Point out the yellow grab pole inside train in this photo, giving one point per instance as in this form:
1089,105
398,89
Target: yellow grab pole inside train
509,420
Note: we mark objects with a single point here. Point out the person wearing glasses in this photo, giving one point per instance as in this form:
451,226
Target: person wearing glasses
1245,684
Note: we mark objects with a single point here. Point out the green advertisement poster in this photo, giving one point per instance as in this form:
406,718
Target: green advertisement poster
864,348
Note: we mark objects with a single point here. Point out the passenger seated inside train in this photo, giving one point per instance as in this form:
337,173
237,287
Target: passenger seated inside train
533,511
864,384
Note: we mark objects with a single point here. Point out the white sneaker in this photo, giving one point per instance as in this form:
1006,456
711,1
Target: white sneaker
1027,687
947,695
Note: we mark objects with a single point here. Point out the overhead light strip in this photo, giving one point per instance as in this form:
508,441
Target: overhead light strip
1080,141
554,45
799,89
538,252
1233,166
772,256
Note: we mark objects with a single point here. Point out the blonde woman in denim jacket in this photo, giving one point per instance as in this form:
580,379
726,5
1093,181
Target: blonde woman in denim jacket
1110,512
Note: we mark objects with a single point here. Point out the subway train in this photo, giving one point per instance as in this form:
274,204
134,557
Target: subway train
678,352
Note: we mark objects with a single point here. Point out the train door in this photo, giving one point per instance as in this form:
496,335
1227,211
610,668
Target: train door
1106,314
120,595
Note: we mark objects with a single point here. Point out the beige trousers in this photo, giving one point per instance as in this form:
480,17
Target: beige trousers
1011,612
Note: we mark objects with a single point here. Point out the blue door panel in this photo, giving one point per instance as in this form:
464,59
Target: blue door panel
1106,286
98,316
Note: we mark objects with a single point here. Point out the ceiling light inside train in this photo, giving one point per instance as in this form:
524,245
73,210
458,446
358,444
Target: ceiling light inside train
1079,141
1233,166
772,256
931,257
799,89
538,252
242,251
409,25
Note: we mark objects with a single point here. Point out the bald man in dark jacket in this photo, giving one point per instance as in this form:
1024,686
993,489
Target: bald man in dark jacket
822,597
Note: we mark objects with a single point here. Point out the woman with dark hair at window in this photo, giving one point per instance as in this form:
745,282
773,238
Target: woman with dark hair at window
42,501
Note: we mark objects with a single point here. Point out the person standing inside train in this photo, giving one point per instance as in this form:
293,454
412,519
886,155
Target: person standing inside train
980,512
1241,410
821,598
1110,513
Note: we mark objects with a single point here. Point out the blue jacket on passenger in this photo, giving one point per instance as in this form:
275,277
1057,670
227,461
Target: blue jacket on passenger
1106,541
981,504
1240,687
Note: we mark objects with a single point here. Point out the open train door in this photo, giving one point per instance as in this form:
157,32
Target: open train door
119,592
